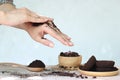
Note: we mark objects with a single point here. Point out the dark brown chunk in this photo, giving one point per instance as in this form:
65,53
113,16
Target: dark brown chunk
90,64
106,69
37,63
104,64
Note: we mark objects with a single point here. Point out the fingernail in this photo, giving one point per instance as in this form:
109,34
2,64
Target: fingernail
51,45
68,37
70,43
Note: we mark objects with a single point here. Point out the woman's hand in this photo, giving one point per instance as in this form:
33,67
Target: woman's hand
23,18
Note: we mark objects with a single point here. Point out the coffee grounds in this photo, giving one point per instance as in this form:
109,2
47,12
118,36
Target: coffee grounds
69,54
37,63
53,73
37,24
67,74
94,77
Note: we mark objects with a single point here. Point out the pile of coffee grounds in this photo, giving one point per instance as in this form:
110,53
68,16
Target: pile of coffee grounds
99,65
69,54
37,63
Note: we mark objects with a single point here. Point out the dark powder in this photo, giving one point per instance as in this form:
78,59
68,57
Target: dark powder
69,54
37,63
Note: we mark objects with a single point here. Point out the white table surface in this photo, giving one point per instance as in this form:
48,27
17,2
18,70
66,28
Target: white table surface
7,72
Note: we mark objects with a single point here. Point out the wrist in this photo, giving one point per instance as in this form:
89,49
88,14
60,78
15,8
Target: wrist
2,17
24,26
7,7
3,9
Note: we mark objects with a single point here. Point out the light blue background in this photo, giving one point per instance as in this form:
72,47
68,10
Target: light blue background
94,26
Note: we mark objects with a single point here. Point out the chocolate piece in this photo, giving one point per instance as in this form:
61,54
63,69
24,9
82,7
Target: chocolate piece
69,54
37,64
90,64
104,64
106,69
93,68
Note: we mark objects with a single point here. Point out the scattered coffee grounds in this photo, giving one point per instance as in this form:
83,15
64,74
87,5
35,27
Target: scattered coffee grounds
90,64
4,72
52,73
86,77
21,75
69,54
60,73
104,63
66,67
94,77
37,63
63,74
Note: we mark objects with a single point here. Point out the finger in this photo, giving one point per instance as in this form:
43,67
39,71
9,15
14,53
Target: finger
45,41
52,25
64,36
58,36
69,38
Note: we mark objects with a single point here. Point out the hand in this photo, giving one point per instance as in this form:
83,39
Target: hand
22,15
23,18
38,33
